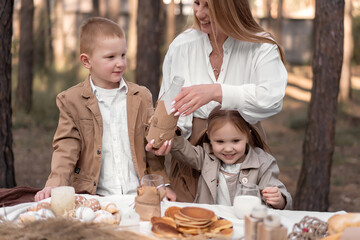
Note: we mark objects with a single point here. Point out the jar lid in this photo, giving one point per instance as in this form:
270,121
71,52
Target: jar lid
272,221
259,212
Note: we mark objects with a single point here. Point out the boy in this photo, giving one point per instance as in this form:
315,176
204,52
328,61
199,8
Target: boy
100,138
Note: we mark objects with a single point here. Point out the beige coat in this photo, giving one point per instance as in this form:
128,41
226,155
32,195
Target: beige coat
78,139
258,167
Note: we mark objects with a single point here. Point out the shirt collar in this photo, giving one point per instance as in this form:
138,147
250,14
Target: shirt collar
121,87
226,46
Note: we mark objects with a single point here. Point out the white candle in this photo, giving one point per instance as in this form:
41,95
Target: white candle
62,199
243,205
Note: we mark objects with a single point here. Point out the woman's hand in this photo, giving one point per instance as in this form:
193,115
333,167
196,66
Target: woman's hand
162,151
42,194
194,97
274,197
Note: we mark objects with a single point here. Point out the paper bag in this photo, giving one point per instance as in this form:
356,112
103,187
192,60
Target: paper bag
162,127
147,202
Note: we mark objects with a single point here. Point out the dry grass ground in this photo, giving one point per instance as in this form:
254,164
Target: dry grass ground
285,132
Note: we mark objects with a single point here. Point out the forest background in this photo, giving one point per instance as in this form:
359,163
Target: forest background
56,67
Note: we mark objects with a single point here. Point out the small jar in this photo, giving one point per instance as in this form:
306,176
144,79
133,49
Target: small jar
271,229
257,215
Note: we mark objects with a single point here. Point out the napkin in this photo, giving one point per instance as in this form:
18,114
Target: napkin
163,125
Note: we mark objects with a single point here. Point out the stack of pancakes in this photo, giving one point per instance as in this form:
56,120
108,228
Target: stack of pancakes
190,221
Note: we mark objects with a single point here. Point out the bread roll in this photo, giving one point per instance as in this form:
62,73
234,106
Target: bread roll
110,207
102,212
105,218
79,200
338,223
27,217
92,203
39,206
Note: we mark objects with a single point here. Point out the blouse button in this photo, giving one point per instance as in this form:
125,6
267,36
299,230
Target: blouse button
98,151
244,180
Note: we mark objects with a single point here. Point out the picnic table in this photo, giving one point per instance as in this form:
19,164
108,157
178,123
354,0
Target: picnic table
125,204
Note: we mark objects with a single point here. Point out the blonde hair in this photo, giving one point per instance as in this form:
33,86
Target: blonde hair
218,117
235,19
94,28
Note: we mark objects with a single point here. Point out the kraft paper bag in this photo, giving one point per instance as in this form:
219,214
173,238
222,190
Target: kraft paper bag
162,127
147,202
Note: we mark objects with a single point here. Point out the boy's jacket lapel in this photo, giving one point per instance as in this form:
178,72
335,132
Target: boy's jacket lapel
132,111
92,103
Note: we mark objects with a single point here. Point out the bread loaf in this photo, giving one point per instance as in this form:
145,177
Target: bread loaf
332,237
338,223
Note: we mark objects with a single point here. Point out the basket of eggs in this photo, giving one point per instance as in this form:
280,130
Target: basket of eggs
86,210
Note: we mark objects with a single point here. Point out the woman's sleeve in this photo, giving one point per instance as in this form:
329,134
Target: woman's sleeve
262,96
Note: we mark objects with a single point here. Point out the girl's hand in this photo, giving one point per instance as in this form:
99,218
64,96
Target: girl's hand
42,194
170,194
194,97
162,151
274,197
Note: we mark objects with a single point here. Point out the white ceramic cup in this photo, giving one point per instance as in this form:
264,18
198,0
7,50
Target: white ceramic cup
62,199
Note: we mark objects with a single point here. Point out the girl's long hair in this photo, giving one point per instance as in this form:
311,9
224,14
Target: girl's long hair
235,19
217,118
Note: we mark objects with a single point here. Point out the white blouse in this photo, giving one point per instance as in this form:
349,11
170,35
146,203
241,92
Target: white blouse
253,78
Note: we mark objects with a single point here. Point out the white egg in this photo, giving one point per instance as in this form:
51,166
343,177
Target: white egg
85,214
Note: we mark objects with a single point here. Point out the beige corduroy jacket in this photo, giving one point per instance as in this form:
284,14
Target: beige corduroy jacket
77,142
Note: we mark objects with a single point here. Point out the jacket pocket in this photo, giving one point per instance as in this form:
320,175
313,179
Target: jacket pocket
83,184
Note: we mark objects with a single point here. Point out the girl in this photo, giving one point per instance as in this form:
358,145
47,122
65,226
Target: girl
232,153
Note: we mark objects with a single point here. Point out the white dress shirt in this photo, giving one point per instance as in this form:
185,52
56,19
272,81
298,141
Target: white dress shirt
253,78
118,174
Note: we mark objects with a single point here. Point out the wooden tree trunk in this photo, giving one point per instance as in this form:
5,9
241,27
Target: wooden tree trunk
96,8
345,81
268,21
48,35
114,6
149,38
279,21
26,57
132,36
43,50
181,19
7,172
170,16
312,191
59,36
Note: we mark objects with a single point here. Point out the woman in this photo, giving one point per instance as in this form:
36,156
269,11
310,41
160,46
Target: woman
225,58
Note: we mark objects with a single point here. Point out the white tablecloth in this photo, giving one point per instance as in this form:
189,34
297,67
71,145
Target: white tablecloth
126,203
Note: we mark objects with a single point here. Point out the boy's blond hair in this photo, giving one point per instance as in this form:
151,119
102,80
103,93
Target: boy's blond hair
94,28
